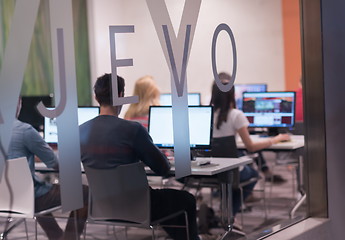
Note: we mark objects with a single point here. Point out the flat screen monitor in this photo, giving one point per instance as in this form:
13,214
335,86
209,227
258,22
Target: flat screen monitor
200,126
193,99
29,113
50,128
241,88
269,109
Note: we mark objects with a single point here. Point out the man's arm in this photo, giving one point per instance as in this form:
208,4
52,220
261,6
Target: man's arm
40,148
150,154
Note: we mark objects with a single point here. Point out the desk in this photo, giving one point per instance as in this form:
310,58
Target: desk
217,166
297,141
223,168
296,144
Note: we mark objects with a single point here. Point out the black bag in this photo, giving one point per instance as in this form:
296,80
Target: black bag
206,219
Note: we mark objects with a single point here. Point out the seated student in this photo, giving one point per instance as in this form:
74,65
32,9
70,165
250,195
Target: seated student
229,121
149,94
108,141
27,142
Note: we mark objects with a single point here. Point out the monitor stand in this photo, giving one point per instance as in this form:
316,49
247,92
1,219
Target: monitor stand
199,152
271,132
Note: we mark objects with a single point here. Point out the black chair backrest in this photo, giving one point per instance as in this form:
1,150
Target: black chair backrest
224,147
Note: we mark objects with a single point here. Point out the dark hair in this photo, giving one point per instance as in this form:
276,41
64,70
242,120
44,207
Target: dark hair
103,90
222,101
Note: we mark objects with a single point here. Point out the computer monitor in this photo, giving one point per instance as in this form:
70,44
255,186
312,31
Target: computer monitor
200,126
270,109
29,113
50,128
241,88
193,99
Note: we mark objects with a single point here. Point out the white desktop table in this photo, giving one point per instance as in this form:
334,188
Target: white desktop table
296,142
216,166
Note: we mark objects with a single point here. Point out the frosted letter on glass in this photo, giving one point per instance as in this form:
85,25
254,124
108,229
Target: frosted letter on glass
117,101
176,52
178,82
13,67
2,150
65,88
53,113
221,86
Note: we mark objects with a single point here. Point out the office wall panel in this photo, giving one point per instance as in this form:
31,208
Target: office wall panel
314,108
334,71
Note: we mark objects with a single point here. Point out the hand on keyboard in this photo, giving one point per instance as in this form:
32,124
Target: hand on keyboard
281,138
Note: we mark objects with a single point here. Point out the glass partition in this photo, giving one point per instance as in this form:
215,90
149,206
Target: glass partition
265,51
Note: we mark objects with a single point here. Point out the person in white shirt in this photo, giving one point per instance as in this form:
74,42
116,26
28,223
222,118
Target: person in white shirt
229,121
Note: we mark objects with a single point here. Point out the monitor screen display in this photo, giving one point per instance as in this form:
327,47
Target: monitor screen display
193,99
241,88
200,126
50,129
269,109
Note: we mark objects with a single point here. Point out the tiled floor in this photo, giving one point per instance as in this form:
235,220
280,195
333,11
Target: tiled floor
279,201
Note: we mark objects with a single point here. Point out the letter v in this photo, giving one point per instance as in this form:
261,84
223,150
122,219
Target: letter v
180,46
176,51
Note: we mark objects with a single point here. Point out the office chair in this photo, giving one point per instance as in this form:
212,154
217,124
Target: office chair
121,197
224,147
17,195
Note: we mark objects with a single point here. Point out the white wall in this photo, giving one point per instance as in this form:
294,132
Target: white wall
256,24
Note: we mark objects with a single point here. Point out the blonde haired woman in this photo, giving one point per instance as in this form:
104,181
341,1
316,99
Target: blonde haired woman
149,94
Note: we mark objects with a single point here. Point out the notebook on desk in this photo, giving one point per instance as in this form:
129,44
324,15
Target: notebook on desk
202,161
199,161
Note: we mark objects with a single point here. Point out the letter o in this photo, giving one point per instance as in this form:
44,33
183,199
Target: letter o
221,86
